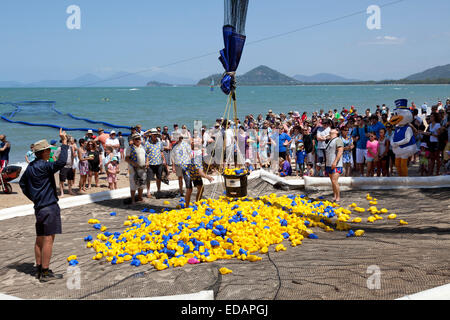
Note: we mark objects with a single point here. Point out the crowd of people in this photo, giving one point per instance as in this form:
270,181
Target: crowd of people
291,144
323,144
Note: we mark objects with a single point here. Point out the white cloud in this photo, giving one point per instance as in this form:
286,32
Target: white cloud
385,40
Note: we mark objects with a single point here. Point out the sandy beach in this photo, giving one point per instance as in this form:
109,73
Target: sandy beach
17,197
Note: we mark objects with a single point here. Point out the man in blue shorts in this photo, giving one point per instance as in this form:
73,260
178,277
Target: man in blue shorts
38,184
333,166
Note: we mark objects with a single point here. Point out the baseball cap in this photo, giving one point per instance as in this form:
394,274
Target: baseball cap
53,141
112,132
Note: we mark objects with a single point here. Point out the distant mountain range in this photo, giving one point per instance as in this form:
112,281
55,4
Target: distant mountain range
261,75
119,79
264,75
440,72
322,77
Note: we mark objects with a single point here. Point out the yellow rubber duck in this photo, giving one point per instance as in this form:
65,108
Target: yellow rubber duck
359,233
224,271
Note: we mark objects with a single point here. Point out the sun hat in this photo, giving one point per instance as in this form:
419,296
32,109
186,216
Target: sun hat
135,136
423,144
296,114
100,129
89,131
41,145
153,131
114,159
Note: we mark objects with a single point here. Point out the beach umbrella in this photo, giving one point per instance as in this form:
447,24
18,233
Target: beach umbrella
234,39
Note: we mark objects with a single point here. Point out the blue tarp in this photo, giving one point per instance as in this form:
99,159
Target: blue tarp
234,41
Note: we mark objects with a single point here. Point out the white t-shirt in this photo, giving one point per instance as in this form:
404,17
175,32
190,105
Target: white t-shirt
113,142
331,152
322,132
229,136
434,130
69,162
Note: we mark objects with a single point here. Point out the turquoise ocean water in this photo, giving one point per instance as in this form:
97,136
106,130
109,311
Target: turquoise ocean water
159,106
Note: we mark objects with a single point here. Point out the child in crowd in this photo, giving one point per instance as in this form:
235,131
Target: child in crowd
248,165
109,154
424,154
447,158
372,153
122,145
309,171
112,171
285,168
300,158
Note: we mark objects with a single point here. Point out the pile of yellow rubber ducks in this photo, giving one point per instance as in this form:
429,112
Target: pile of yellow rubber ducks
235,172
225,228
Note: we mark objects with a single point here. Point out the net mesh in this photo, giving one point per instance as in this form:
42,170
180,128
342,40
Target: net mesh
236,14
410,258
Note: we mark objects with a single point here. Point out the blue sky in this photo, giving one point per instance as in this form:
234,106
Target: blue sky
144,34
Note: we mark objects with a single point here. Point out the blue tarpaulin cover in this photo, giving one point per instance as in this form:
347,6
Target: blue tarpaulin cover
234,40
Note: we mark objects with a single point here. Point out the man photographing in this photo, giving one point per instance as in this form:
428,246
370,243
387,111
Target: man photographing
38,185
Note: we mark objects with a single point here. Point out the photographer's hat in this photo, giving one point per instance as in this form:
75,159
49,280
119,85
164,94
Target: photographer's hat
41,145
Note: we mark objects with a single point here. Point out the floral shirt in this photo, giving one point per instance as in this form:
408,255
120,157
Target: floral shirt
153,152
192,169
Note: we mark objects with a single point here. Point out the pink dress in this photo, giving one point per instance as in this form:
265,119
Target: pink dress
372,148
112,177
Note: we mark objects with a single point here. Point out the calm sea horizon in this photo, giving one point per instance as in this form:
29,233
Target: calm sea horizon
159,106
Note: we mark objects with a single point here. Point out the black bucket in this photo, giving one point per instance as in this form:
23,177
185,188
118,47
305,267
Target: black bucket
235,186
